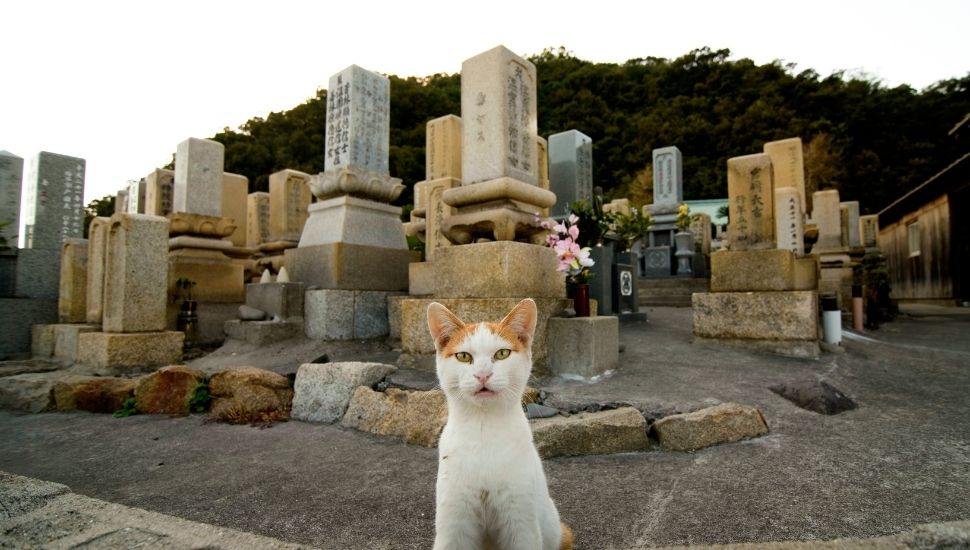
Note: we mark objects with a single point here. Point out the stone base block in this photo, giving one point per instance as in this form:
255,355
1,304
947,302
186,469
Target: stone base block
582,346
116,352
420,279
283,300
620,430
39,274
351,220
260,333
503,223
17,316
42,340
66,339
217,278
212,320
773,321
346,314
415,338
752,270
348,266
503,269
806,273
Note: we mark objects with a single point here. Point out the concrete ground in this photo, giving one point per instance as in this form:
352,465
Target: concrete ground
901,459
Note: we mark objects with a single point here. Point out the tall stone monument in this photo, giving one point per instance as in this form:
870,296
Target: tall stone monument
136,196
353,246
668,193
482,276
200,238
788,167
442,172
54,211
757,298
869,232
499,197
286,214
257,219
570,169
159,192
11,180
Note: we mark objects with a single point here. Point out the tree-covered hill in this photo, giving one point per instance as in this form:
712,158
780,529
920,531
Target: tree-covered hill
871,142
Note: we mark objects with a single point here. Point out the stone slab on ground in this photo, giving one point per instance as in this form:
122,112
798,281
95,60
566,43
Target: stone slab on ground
283,300
167,390
417,416
249,395
583,346
259,333
724,423
115,352
615,431
323,390
39,514
30,392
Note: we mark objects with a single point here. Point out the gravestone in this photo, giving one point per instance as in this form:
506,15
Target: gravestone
570,169
289,197
849,213
136,196
72,301
358,121
159,192
750,203
443,148
869,231
668,179
235,190
97,248
11,181
700,227
121,201
788,167
198,177
789,220
827,214
135,273
498,105
54,208
257,219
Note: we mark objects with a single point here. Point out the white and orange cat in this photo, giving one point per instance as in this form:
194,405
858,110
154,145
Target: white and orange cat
491,490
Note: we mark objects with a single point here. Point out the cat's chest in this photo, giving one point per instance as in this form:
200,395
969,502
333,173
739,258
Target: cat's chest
481,451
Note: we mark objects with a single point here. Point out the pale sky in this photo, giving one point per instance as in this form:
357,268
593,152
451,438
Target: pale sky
120,84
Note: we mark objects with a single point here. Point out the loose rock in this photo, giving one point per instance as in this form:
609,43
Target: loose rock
167,390
248,313
417,416
615,431
816,396
723,423
321,392
249,395
94,394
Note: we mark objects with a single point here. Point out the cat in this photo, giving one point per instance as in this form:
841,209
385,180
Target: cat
491,490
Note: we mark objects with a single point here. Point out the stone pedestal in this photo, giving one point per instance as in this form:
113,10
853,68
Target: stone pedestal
348,266
756,270
59,341
420,278
346,314
502,209
197,251
498,270
582,346
283,300
657,262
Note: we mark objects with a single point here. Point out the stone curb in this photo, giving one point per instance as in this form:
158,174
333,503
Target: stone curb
41,514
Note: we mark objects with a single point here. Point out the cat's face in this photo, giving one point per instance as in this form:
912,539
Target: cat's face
483,363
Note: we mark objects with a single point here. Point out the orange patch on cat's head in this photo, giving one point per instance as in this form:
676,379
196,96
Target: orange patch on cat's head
455,338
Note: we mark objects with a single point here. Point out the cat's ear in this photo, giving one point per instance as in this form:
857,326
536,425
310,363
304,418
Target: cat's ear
443,324
521,322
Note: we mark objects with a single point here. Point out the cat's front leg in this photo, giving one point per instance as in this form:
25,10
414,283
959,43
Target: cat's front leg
457,527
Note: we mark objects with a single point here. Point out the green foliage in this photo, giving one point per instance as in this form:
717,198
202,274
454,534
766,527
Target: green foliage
127,409
199,402
593,222
103,207
871,142
632,227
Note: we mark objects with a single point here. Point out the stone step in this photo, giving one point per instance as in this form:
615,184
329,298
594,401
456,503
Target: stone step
669,292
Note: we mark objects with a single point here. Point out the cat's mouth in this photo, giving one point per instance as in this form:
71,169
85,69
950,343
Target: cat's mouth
484,392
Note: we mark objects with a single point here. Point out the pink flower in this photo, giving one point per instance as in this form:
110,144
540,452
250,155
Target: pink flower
573,232
573,219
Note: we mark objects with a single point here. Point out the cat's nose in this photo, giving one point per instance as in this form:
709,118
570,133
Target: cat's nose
482,377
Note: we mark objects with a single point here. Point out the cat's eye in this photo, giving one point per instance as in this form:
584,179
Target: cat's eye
464,357
502,354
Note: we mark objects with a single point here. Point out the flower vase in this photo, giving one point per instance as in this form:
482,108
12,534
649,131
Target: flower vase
581,299
684,242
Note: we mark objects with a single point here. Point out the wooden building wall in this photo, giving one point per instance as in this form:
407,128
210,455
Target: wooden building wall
928,275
